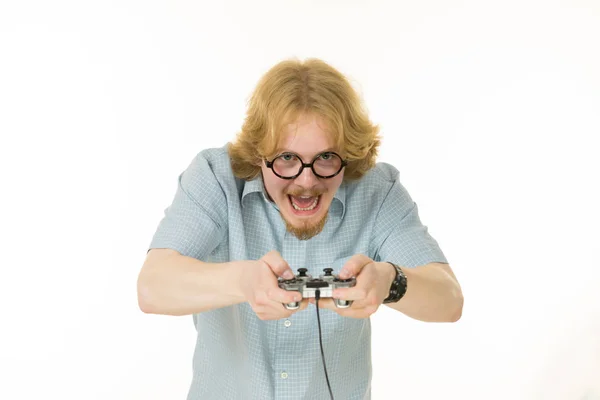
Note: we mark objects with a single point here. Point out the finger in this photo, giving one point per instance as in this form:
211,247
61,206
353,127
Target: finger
278,265
283,296
356,310
364,283
354,265
368,302
303,305
286,313
354,293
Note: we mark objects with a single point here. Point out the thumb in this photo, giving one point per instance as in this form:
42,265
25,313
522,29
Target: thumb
354,265
278,265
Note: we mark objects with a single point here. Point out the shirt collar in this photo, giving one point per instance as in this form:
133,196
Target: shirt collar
338,205
254,186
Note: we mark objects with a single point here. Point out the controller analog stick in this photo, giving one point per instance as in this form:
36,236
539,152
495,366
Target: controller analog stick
328,271
302,271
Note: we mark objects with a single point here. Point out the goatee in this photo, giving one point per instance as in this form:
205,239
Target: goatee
306,231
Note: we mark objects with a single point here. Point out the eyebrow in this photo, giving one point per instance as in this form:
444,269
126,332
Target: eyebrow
328,150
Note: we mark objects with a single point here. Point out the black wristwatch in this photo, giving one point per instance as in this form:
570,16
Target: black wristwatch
398,288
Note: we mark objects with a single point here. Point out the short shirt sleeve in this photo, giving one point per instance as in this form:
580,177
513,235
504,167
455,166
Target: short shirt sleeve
194,223
400,237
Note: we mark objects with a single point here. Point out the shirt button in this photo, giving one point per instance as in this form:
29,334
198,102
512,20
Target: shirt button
287,323
284,375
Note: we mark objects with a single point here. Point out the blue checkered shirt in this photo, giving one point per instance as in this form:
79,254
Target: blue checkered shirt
216,217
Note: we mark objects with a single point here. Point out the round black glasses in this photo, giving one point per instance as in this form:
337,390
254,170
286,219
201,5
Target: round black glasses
290,165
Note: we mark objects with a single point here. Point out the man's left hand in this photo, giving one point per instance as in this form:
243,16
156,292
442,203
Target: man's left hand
373,281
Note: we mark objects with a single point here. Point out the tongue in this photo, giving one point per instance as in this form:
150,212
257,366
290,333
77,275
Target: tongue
303,202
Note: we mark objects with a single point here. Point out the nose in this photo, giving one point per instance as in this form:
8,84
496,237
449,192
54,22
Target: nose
307,178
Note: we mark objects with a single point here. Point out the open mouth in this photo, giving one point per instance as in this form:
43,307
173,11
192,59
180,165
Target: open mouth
304,203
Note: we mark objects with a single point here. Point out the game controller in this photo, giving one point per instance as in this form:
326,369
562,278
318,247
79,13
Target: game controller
307,286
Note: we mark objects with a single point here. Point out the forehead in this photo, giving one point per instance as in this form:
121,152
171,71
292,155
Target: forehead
308,134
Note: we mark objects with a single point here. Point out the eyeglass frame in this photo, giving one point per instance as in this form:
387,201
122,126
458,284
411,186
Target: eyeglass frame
303,165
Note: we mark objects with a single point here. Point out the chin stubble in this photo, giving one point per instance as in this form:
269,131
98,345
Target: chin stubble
306,231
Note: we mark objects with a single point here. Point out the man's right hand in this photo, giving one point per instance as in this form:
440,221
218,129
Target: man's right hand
260,288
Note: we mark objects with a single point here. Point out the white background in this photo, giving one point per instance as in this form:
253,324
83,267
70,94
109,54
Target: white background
490,110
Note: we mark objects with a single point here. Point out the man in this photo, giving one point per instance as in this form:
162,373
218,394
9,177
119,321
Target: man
299,188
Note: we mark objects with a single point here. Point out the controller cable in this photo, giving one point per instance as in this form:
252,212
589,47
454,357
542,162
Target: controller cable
317,297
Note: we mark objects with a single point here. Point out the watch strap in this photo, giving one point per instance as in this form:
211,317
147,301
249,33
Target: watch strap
398,287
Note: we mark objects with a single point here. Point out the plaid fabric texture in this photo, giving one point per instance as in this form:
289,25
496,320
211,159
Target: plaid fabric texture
216,217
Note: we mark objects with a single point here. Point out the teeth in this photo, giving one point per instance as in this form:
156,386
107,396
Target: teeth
312,206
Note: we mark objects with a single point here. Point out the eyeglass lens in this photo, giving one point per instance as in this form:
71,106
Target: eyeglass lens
289,165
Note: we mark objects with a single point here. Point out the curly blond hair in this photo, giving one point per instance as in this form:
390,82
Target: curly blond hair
292,88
